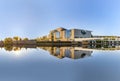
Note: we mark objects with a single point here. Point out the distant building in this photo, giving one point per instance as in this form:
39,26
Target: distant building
62,34
108,37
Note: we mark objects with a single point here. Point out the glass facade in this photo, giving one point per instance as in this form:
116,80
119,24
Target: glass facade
67,33
57,34
57,51
67,53
83,32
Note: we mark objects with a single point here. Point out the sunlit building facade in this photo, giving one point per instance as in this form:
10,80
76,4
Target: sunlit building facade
62,34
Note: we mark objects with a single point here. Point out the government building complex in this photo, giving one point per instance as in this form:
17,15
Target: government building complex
78,35
62,34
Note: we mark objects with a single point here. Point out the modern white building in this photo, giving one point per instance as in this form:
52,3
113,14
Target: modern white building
62,34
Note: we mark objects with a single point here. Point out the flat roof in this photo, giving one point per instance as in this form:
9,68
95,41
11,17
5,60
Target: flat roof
68,29
81,29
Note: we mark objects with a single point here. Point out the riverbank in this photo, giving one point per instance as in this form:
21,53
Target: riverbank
97,43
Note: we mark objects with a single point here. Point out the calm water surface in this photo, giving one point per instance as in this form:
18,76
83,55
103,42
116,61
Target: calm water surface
59,65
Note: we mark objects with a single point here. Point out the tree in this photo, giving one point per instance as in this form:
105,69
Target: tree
25,39
16,38
8,41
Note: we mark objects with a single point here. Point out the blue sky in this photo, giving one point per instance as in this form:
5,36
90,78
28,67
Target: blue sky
35,18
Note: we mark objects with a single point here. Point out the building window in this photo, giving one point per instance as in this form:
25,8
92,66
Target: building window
67,33
57,34
57,51
83,32
67,53
77,37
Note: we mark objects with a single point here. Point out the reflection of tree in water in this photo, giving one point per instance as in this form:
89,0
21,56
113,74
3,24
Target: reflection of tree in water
11,48
8,47
16,48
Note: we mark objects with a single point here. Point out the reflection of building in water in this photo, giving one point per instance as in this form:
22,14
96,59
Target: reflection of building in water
100,46
106,47
69,52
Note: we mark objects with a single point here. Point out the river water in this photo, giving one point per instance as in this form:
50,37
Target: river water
59,64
